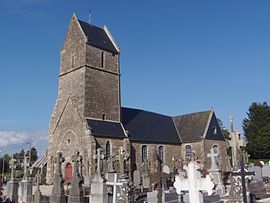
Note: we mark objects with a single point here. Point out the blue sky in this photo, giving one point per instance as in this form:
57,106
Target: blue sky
177,57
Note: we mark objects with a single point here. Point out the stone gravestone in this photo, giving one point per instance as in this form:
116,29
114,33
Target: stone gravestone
58,192
114,184
193,183
215,172
98,187
258,172
76,191
266,172
146,174
137,178
37,194
166,169
122,157
256,185
110,174
12,185
124,191
238,191
25,186
235,143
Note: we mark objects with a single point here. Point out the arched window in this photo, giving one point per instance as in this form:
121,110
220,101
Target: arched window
161,153
108,150
144,153
188,153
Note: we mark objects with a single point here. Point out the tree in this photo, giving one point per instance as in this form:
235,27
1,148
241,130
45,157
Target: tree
33,154
257,130
224,130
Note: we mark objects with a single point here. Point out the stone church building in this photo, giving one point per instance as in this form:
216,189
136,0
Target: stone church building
88,114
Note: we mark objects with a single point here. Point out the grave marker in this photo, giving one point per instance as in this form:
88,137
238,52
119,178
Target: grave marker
115,184
243,174
193,183
58,192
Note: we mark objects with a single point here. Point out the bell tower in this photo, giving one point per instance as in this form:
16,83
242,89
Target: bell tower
89,72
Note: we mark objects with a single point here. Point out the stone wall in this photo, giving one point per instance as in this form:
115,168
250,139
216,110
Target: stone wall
170,151
102,95
224,161
69,135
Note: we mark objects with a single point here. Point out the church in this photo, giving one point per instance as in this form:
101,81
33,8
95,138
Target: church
88,114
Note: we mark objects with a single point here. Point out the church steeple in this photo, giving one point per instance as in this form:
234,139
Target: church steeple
89,71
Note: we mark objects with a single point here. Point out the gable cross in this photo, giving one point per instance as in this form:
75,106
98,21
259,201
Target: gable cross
114,184
194,183
99,156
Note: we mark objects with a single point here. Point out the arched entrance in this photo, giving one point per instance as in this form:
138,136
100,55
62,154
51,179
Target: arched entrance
68,173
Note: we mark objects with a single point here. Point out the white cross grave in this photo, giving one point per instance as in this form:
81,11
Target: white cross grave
213,155
194,183
114,184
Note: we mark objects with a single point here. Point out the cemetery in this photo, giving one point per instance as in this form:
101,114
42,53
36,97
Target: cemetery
101,152
190,183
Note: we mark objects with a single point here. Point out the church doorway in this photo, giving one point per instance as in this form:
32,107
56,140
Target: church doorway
68,173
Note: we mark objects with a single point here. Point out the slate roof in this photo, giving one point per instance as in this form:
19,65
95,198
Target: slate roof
191,127
147,126
103,128
97,37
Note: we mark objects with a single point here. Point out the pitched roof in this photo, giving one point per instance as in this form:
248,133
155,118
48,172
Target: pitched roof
149,127
98,37
103,128
191,127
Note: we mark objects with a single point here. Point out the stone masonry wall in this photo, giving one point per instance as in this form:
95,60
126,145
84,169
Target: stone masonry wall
224,161
102,91
170,151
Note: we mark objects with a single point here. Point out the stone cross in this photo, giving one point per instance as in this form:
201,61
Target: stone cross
194,183
12,165
122,158
99,156
58,192
235,143
114,184
38,177
243,173
110,161
76,167
81,165
26,167
76,191
146,166
213,155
